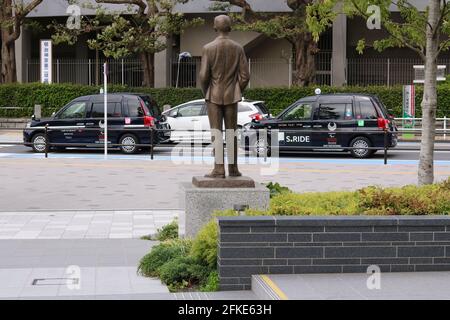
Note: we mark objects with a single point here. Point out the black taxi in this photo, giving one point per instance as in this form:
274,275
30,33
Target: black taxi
81,123
331,122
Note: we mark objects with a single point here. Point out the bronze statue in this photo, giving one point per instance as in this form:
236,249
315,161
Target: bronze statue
224,75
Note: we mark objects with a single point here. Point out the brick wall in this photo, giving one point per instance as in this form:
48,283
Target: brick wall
296,245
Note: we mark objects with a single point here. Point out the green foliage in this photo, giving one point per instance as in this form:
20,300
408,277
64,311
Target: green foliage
409,200
327,203
140,28
183,272
168,232
150,264
276,189
212,283
54,97
204,247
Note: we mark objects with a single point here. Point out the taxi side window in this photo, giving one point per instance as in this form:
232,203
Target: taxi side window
302,111
75,111
341,111
366,110
134,108
114,110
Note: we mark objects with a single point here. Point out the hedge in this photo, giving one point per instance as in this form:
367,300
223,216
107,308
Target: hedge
53,97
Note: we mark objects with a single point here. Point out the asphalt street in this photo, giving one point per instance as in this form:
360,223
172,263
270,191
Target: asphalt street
442,153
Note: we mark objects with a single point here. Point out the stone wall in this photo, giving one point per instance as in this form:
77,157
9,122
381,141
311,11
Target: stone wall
296,245
12,123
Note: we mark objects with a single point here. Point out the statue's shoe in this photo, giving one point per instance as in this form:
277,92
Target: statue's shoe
216,175
235,173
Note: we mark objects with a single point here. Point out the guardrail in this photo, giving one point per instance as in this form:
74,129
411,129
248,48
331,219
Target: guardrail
265,134
444,122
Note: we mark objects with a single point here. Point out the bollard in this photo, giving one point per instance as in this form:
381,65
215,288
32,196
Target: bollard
385,146
46,141
37,111
152,143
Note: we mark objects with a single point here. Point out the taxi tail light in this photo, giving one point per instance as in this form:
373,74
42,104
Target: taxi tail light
383,123
256,116
149,121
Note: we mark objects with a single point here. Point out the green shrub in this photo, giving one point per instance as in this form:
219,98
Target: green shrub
150,264
183,272
327,203
212,283
168,232
409,200
276,189
204,246
53,97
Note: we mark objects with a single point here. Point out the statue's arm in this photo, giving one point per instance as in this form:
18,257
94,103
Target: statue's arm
205,72
244,71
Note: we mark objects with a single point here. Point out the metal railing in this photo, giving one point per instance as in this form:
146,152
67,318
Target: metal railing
264,132
89,71
384,71
414,125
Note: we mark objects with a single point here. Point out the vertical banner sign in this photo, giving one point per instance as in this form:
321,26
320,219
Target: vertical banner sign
46,61
409,108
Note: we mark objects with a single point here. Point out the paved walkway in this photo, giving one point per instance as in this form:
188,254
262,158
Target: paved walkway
392,286
83,224
93,184
85,269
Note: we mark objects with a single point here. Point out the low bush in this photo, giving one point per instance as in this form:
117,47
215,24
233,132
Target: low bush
55,96
151,264
168,232
276,189
193,263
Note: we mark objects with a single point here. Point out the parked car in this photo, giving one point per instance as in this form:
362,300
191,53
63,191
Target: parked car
332,122
81,122
190,121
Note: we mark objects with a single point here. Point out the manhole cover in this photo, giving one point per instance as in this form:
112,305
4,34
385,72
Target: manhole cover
56,282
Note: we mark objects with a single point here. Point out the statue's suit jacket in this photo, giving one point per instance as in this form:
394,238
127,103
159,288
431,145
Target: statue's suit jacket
224,73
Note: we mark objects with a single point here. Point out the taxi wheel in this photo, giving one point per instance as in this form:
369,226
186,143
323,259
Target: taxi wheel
129,142
38,143
363,143
259,146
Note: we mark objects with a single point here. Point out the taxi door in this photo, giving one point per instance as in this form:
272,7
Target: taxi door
334,123
295,127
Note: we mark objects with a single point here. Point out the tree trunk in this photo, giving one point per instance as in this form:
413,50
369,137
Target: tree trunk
429,102
148,64
8,58
305,49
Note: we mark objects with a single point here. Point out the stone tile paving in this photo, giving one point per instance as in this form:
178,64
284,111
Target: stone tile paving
83,224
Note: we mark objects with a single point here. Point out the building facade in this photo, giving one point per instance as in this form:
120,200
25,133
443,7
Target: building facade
271,63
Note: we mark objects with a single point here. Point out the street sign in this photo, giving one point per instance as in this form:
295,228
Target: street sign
409,109
46,61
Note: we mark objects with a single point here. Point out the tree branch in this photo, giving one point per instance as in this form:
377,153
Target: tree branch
17,21
140,3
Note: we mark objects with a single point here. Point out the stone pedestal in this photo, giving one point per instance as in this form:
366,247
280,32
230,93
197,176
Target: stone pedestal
200,203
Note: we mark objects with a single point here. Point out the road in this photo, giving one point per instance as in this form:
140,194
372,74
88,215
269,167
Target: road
167,150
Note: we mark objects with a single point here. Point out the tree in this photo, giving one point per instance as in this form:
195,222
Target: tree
290,26
141,29
425,32
12,17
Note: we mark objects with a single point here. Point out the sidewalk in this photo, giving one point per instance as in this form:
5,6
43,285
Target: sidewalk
83,224
89,184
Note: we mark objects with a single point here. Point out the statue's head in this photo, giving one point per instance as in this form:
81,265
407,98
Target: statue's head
222,23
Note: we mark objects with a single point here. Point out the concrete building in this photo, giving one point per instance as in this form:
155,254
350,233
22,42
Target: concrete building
337,62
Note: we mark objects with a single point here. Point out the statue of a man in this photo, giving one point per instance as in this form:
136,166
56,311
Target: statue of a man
224,75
